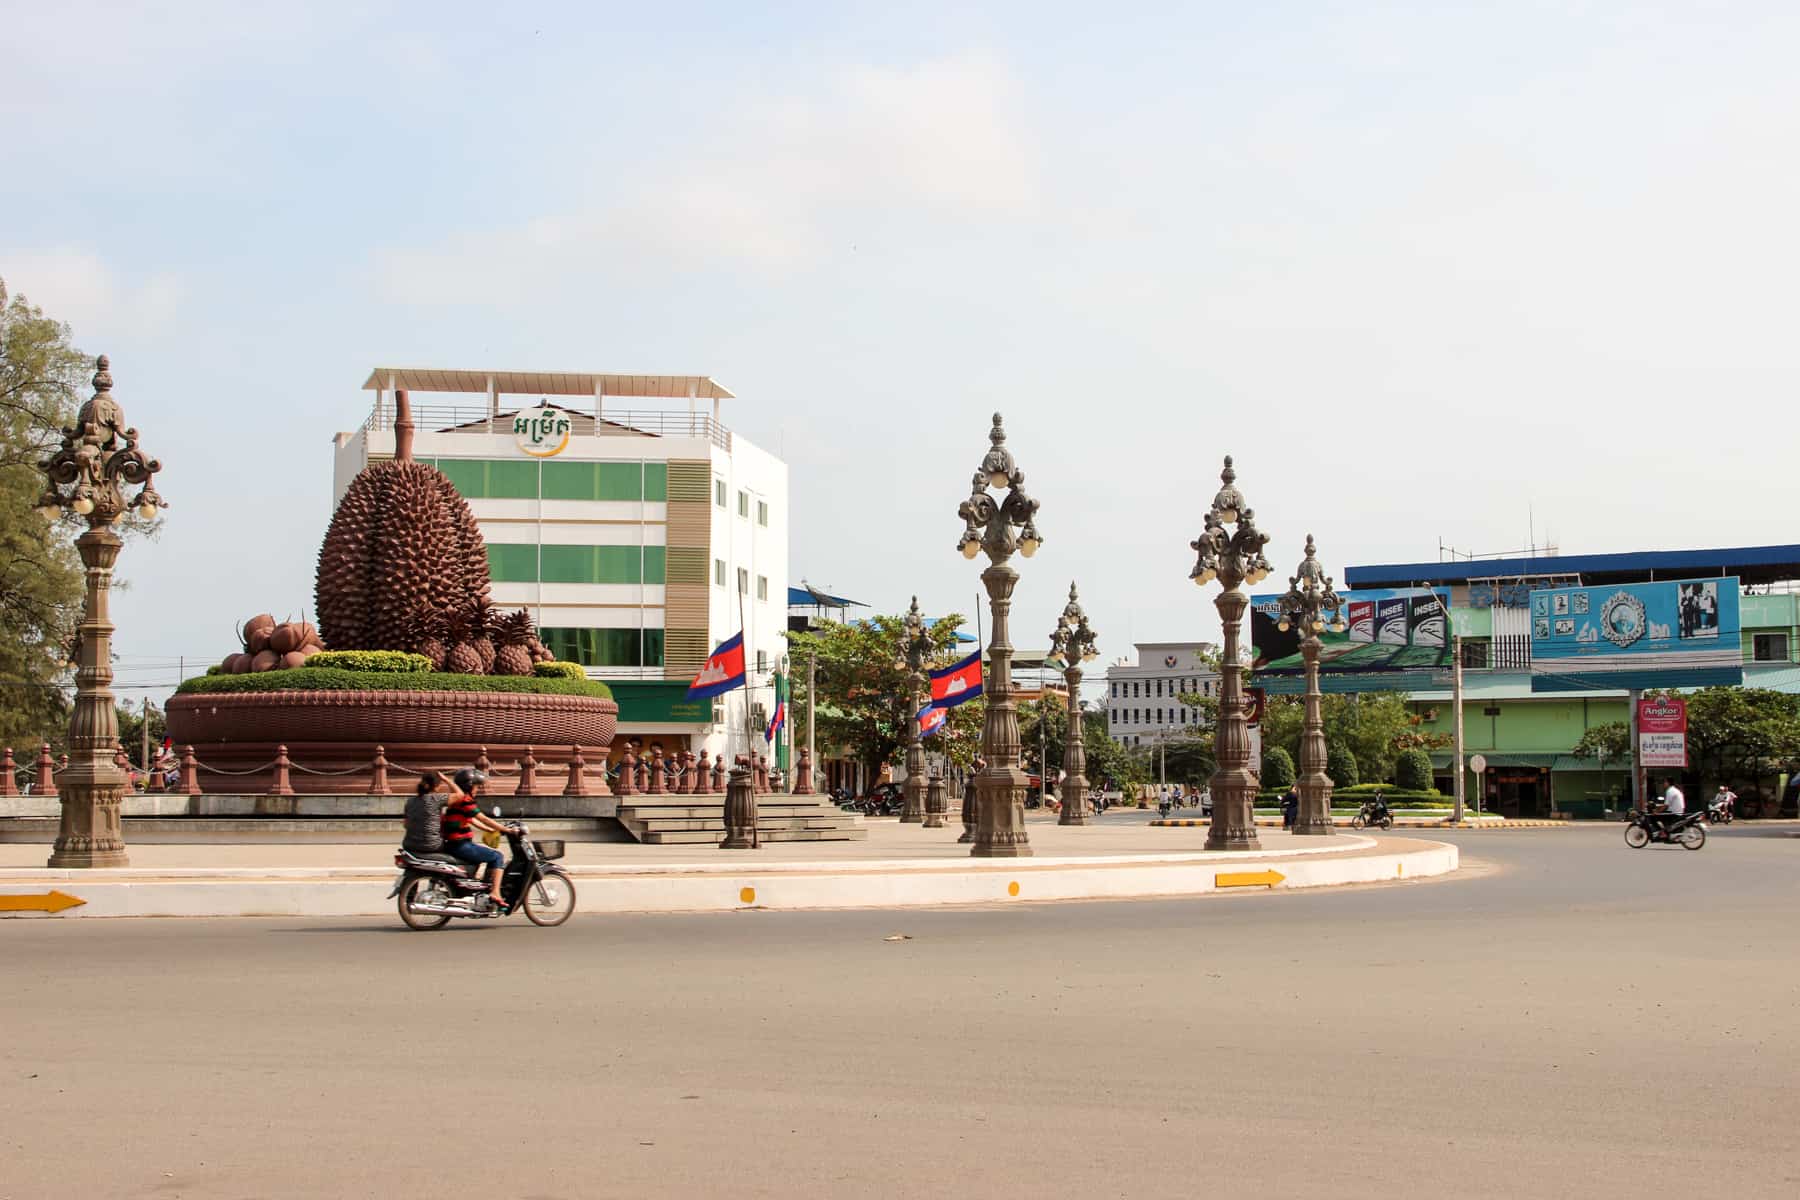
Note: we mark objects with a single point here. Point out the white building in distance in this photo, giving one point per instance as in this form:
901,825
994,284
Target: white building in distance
636,528
1142,700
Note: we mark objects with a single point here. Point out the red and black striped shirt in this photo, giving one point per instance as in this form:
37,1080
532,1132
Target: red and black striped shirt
459,815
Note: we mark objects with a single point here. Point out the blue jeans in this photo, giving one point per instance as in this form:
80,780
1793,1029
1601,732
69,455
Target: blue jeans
475,853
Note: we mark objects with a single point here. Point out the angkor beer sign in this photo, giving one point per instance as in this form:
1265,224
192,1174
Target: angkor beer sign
1662,733
542,432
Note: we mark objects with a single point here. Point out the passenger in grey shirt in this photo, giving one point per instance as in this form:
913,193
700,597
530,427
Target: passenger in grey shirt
425,817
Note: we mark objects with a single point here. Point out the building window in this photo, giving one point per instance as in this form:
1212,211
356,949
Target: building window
762,587
1769,647
1474,655
762,660
605,647
762,513
719,572
743,504
743,580
719,492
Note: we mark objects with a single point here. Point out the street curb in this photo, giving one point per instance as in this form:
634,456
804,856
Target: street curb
724,887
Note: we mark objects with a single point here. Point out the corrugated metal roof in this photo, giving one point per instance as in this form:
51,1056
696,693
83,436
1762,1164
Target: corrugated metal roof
1750,563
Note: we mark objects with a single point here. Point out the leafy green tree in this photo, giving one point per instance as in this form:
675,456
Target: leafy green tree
1738,731
1277,770
131,730
41,376
863,702
1611,740
1412,770
1340,765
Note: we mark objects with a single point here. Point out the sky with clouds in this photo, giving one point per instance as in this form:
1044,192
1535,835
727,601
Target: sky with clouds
1428,271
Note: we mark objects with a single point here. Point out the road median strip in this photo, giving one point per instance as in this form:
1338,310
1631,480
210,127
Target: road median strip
722,886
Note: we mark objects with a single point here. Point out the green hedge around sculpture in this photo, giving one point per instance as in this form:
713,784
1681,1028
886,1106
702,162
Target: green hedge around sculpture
331,679
559,670
397,662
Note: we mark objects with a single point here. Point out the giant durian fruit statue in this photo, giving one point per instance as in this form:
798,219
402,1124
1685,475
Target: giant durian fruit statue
404,567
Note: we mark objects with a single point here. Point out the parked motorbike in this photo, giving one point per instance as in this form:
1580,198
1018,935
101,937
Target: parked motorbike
1374,814
1646,828
432,888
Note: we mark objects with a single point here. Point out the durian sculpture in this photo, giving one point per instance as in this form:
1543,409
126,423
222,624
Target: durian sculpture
404,567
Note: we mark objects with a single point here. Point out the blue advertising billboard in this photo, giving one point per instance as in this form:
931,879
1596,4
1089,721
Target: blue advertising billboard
1678,633
1386,630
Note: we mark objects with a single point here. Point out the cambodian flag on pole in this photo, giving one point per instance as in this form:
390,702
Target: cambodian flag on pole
778,720
931,719
958,684
723,672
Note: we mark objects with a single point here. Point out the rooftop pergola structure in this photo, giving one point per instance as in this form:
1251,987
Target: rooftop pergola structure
594,390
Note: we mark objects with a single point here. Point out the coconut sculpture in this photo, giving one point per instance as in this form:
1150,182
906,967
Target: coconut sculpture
403,567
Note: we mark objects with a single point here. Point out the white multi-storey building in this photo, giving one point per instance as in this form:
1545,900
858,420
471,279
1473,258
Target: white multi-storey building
1143,697
637,529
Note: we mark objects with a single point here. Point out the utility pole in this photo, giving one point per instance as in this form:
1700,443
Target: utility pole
1638,799
812,692
1456,698
144,740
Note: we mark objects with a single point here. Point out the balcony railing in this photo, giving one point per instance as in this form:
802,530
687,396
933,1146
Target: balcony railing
460,418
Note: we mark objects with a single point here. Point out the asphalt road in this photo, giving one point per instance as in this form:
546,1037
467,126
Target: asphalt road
1565,1018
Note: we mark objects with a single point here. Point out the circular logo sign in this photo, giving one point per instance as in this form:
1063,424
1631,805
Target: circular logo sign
1622,619
1478,763
542,432
1169,660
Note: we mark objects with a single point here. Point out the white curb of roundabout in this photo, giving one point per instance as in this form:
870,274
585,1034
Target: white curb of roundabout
718,887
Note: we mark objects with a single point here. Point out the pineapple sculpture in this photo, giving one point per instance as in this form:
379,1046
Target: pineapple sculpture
404,567
516,636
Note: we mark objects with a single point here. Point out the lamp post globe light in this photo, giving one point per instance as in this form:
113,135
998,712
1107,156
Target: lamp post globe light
1234,558
88,476
915,653
1312,606
1073,643
997,528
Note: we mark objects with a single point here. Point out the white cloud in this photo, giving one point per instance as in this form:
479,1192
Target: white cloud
775,185
77,286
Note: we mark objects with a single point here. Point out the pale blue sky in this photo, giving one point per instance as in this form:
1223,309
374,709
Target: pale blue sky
1423,268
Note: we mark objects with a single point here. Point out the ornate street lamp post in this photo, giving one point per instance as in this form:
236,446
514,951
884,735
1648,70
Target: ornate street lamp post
99,458
915,653
1234,559
1073,642
997,528
1305,604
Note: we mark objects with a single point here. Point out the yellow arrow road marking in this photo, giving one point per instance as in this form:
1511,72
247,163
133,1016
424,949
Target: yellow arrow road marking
1226,879
51,901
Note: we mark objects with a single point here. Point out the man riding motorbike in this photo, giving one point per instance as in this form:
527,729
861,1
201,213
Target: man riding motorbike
459,821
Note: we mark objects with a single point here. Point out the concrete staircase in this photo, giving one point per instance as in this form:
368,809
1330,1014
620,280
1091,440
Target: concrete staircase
700,820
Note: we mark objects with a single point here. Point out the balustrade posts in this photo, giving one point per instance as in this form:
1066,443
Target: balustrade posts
46,773
378,777
628,770
803,785
577,785
8,785
189,783
283,784
528,774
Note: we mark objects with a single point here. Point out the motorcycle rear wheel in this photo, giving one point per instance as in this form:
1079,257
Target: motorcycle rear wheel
423,889
1637,837
1693,837
551,900
1387,822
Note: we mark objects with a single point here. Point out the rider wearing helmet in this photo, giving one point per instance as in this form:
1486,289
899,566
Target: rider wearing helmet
461,819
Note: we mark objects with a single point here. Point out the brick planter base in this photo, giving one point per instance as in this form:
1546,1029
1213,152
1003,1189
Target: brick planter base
335,733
